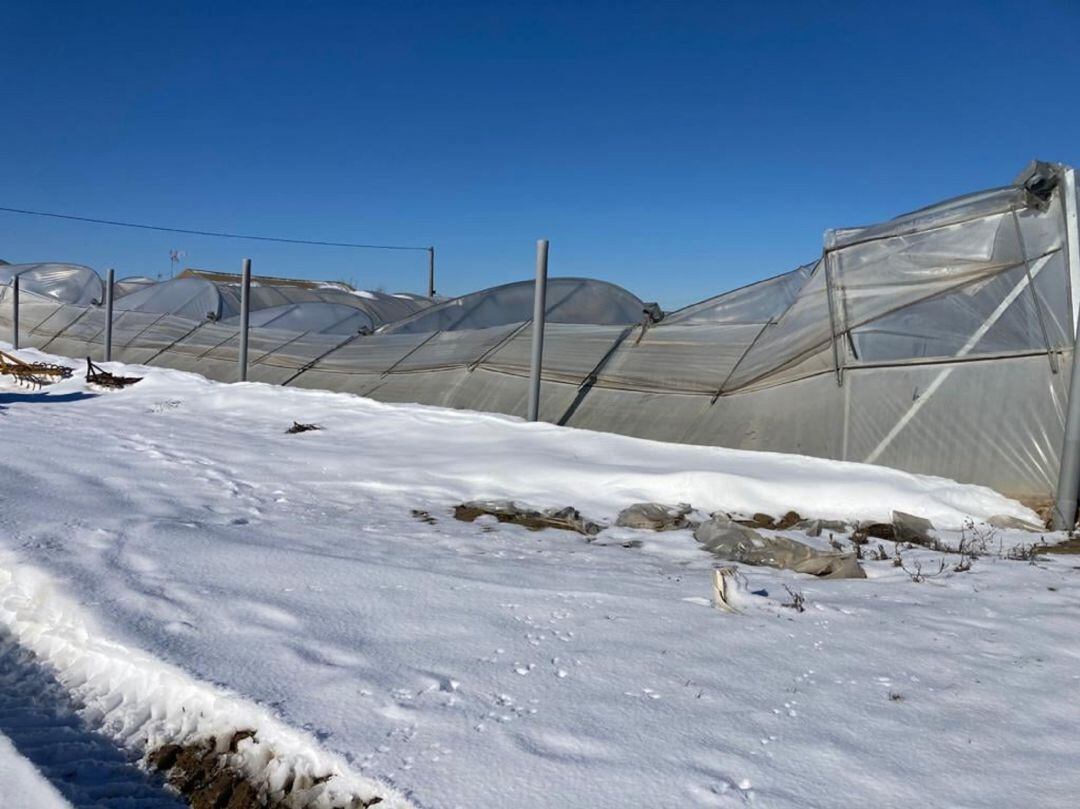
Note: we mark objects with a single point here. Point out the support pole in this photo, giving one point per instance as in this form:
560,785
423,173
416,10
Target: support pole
109,282
539,310
1064,516
826,262
431,272
15,313
245,311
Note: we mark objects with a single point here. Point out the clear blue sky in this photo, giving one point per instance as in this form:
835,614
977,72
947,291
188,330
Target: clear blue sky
676,148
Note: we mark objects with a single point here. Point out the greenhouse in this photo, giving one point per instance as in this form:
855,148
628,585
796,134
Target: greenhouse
131,283
312,317
199,298
569,300
937,342
64,283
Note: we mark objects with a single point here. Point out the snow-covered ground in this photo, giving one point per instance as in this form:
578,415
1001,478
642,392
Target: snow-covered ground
21,785
174,527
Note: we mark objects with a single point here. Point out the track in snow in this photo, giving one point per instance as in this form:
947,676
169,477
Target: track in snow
87,768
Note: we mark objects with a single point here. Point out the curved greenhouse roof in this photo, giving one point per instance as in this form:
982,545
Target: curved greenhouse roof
192,296
384,307
186,297
312,317
267,295
132,283
66,283
569,300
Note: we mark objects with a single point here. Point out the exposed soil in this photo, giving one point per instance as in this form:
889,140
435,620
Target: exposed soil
567,519
762,520
423,516
297,427
203,777
43,722
876,530
1070,545
789,520
1043,506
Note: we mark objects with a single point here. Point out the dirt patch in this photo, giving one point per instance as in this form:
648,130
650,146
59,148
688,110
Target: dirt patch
769,522
423,516
759,520
297,427
874,530
1070,545
565,519
789,520
1043,506
202,775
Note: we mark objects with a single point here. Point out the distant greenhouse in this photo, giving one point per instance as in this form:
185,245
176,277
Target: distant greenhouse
313,317
938,342
131,283
569,300
199,298
64,283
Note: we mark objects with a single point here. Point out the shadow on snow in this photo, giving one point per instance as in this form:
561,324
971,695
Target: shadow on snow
87,768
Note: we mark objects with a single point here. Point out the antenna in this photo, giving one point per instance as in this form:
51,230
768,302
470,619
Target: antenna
174,259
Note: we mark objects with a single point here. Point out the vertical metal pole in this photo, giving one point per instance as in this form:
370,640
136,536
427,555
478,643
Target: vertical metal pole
109,282
15,313
245,307
539,310
1072,246
826,261
1064,516
431,272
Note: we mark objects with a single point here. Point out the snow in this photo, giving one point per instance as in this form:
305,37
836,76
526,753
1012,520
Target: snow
144,703
176,529
22,786
430,454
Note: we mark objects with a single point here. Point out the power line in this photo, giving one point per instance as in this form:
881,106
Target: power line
213,233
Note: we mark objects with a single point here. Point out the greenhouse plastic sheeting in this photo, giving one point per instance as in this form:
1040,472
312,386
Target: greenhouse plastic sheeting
192,352
998,421
939,342
871,273
384,307
379,306
450,349
943,325
132,283
187,297
311,316
64,283
680,358
757,303
572,351
569,300
201,299
373,354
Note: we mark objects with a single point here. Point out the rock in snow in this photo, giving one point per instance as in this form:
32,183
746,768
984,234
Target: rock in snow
654,517
566,518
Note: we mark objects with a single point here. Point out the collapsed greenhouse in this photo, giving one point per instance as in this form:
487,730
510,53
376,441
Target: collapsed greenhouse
937,342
